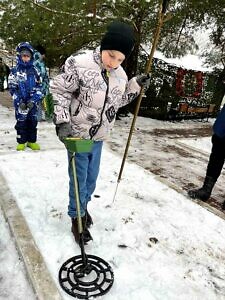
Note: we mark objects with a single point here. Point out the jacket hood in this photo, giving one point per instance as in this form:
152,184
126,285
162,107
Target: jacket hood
20,47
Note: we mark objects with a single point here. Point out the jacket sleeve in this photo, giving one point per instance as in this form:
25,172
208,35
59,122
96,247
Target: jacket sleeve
45,82
219,125
62,88
13,82
36,93
132,91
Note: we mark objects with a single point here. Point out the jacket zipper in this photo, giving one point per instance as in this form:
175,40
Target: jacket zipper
105,76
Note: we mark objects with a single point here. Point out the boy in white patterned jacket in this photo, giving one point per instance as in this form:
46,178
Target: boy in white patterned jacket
86,98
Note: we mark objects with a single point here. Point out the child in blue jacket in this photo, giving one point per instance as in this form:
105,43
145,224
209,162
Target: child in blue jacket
25,88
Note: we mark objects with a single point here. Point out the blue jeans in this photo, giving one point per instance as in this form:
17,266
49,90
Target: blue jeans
87,169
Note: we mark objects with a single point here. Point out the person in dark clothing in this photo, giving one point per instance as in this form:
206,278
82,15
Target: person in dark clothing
3,73
7,75
122,112
216,160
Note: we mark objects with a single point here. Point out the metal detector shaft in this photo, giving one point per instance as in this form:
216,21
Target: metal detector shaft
77,202
147,70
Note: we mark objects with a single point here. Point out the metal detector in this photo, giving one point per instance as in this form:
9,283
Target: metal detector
83,276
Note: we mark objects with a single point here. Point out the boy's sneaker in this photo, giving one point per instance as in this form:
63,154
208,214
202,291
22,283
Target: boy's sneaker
21,147
33,146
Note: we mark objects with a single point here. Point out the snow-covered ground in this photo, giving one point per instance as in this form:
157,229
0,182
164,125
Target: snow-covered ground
203,144
12,273
187,261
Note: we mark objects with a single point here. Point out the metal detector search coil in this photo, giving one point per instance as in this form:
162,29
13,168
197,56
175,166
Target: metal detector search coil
93,279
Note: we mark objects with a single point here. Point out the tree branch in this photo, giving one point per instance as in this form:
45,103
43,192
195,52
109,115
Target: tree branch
182,27
52,10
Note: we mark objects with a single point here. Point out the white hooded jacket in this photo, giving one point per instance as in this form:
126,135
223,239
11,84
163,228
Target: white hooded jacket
88,97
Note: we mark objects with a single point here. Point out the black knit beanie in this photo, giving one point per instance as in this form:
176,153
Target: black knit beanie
120,37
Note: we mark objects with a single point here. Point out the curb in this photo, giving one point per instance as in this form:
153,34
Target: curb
196,150
40,278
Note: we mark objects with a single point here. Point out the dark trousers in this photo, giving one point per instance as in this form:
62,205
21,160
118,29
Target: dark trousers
217,157
26,131
1,83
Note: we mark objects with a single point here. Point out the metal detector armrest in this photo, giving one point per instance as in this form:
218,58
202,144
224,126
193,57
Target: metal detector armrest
78,145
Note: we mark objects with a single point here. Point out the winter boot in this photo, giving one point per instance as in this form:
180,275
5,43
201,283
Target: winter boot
89,220
205,191
21,147
86,234
33,146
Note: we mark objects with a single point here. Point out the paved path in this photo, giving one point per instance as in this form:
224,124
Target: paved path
162,152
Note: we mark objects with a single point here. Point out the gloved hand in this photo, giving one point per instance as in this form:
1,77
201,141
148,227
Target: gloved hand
64,130
30,105
144,80
22,106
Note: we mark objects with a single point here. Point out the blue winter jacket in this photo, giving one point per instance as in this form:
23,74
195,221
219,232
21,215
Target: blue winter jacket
219,125
24,82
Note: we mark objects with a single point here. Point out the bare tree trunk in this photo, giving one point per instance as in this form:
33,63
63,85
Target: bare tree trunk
93,8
